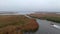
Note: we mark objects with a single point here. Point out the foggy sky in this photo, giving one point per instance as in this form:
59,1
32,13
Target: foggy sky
29,5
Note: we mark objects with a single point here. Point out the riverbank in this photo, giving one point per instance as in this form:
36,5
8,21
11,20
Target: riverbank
17,24
49,17
54,19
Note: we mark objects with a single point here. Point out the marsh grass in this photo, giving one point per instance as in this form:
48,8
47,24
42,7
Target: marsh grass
50,17
12,20
14,24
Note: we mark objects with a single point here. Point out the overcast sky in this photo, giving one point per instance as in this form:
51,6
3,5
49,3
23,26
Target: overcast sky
29,5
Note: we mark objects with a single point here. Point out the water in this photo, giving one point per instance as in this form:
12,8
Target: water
56,26
45,27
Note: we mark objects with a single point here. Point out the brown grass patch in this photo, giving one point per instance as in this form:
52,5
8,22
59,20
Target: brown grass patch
16,24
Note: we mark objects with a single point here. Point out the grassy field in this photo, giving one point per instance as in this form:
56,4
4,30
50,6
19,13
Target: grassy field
50,17
12,20
16,24
54,19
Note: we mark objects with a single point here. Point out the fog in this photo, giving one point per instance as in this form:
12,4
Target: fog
30,5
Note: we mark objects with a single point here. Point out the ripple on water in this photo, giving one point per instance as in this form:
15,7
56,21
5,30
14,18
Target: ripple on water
56,26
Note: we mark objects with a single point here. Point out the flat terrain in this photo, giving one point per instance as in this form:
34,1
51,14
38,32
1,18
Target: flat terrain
47,16
16,24
45,27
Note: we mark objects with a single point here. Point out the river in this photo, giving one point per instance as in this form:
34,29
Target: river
45,27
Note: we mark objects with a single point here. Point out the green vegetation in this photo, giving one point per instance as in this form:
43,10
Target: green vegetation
50,17
54,19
